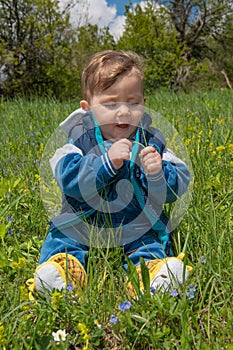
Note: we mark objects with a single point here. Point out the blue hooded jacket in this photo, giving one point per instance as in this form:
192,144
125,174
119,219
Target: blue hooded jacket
125,201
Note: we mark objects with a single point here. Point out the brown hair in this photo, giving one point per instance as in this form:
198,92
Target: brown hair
105,67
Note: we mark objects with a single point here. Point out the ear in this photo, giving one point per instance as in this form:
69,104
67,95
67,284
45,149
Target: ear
85,105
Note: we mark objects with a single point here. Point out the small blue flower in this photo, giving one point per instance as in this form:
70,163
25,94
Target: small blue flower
192,288
153,290
70,287
10,218
113,319
191,292
203,259
174,293
124,306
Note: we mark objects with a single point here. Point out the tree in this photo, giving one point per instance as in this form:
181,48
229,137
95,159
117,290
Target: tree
33,33
41,52
220,45
205,27
150,33
203,30
196,20
69,65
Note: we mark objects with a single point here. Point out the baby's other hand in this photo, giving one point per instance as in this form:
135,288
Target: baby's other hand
120,151
151,160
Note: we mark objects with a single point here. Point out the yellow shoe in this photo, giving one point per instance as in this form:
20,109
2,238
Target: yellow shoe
56,273
167,273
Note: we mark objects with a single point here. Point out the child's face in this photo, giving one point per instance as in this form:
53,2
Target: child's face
119,109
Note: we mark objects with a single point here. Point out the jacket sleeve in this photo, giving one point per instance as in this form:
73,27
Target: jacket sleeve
171,182
81,177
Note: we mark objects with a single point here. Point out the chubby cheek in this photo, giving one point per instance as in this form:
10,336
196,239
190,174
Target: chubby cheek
136,117
102,117
106,130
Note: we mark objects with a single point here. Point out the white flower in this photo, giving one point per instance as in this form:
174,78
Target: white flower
59,335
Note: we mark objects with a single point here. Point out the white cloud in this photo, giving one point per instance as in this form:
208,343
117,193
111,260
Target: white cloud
95,12
104,15
116,27
142,4
98,12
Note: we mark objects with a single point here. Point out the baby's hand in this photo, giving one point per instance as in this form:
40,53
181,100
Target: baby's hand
151,160
120,151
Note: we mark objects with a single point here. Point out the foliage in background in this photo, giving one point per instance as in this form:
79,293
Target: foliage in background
196,316
41,52
149,33
186,44
33,34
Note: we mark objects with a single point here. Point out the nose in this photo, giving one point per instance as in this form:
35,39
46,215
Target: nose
123,109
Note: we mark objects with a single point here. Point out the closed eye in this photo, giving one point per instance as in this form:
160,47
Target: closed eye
111,105
114,105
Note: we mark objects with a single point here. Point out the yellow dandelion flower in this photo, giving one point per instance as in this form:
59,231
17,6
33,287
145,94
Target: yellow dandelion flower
220,121
37,177
56,299
83,328
2,334
18,264
86,336
22,262
220,148
23,293
41,148
14,264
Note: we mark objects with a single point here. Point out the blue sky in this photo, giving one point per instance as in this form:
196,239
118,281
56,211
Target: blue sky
120,5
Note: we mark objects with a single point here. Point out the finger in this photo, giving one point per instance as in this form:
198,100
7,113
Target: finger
147,150
125,155
151,156
125,142
150,162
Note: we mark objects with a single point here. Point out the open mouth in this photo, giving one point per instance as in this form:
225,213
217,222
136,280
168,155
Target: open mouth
122,126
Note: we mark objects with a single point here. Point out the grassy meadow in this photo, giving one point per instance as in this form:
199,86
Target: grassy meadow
197,315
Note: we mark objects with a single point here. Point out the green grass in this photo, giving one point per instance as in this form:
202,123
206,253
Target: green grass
204,122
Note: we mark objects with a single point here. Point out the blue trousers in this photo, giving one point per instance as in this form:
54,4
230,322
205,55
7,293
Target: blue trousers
148,247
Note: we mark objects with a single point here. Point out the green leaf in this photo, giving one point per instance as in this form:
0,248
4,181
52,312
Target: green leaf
145,276
3,230
3,259
17,182
133,276
4,187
